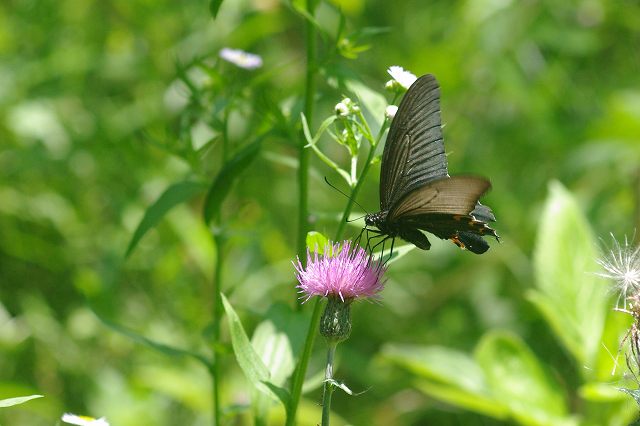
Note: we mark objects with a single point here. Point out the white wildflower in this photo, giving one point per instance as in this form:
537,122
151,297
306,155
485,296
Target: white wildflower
74,419
402,77
390,111
241,58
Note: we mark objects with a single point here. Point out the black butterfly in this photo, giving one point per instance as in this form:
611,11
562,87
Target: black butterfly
416,192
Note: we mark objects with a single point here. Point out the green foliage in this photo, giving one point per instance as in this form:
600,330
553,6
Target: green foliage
9,402
176,194
506,379
122,129
223,182
572,298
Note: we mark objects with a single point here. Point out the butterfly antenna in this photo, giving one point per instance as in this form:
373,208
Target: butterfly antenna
348,197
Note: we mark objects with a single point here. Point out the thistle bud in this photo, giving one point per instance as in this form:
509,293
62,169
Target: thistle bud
335,323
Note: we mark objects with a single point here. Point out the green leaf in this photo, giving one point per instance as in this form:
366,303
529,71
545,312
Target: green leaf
313,140
222,183
398,252
18,400
570,296
449,376
520,381
171,197
249,361
160,347
274,349
214,7
316,241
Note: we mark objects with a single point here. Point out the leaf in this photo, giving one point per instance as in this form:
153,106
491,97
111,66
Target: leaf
447,375
570,296
222,183
214,7
313,140
160,347
398,252
18,400
249,361
316,241
274,349
175,194
520,381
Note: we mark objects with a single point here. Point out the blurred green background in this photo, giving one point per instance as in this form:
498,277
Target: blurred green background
93,127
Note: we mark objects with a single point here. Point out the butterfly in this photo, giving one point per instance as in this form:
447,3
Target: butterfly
416,192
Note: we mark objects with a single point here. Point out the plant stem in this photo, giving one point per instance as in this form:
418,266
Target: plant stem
303,153
328,384
217,314
303,211
360,180
218,241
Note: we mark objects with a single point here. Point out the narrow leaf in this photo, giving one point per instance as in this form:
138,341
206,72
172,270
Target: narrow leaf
222,183
160,347
214,7
18,400
175,194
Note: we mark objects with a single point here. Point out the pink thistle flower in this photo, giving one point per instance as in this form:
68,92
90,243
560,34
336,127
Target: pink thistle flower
343,271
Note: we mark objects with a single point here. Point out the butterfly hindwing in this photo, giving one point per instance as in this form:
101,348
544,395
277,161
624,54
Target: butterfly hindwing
457,195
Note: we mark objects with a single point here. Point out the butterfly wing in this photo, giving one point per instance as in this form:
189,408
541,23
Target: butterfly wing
449,209
414,152
457,195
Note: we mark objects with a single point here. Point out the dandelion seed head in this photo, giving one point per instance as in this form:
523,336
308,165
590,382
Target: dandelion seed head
622,265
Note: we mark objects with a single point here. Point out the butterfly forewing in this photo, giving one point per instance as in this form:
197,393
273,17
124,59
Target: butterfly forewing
414,152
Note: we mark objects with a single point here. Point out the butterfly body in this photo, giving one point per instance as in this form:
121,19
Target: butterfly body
416,192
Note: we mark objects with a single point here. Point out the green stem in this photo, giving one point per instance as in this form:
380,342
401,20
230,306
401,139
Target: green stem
356,188
217,314
217,308
303,212
303,153
328,384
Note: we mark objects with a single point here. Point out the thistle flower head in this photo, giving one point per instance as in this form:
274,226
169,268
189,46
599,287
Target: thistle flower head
342,271
240,58
622,265
401,78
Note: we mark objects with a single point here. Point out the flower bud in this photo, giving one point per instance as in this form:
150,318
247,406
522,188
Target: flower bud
335,323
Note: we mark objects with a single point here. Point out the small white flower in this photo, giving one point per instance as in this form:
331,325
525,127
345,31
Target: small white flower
622,265
390,111
74,419
346,107
403,77
342,109
241,58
